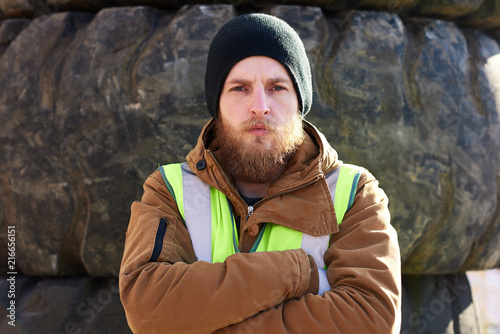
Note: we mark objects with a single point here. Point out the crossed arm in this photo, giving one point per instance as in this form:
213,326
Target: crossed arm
264,291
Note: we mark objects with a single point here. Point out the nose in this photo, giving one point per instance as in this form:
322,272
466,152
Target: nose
259,104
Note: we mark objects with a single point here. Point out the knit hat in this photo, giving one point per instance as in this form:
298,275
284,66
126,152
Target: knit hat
257,35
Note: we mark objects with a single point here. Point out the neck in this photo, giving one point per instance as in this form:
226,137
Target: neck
253,190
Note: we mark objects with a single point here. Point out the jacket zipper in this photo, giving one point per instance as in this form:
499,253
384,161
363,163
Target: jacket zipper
160,234
250,211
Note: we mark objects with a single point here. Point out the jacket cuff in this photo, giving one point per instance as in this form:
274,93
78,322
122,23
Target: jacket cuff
314,280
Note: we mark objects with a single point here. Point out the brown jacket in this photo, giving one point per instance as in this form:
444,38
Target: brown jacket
265,292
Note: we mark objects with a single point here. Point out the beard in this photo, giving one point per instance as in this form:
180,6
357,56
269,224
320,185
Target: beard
257,160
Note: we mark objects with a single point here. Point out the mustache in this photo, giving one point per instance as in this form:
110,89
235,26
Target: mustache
252,123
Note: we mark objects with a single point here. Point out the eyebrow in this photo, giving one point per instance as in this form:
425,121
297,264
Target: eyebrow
273,80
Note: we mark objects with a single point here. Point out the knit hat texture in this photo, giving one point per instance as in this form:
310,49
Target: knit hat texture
257,35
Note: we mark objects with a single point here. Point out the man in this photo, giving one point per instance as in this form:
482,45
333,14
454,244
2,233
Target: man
263,230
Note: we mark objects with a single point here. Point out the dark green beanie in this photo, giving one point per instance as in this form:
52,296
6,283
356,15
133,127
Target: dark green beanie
257,35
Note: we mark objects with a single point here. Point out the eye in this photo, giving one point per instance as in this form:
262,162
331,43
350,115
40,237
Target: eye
278,88
238,89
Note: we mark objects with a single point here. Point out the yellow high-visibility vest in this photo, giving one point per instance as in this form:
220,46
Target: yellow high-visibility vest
208,216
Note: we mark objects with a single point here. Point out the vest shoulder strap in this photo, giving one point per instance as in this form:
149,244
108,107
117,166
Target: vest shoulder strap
343,183
174,184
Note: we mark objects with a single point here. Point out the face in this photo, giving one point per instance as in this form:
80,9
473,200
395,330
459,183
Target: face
258,94
259,126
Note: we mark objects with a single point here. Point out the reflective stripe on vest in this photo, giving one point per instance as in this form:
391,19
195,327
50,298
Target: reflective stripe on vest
206,212
208,215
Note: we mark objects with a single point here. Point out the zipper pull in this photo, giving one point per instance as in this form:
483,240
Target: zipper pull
250,211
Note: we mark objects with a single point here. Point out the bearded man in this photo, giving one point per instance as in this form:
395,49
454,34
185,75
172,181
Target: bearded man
263,229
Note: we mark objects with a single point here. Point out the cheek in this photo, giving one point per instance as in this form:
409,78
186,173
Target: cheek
223,107
288,116
287,107
231,109
229,120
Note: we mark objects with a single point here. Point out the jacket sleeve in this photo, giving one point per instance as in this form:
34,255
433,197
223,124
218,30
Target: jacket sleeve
364,274
165,290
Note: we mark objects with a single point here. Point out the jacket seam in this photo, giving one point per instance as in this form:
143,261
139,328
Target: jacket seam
301,273
154,178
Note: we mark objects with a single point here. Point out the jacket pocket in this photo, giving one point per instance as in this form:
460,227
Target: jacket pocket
160,235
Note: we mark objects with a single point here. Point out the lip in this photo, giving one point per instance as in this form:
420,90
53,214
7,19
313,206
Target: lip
258,130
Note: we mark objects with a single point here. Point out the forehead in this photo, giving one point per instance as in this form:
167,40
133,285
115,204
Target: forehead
258,67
